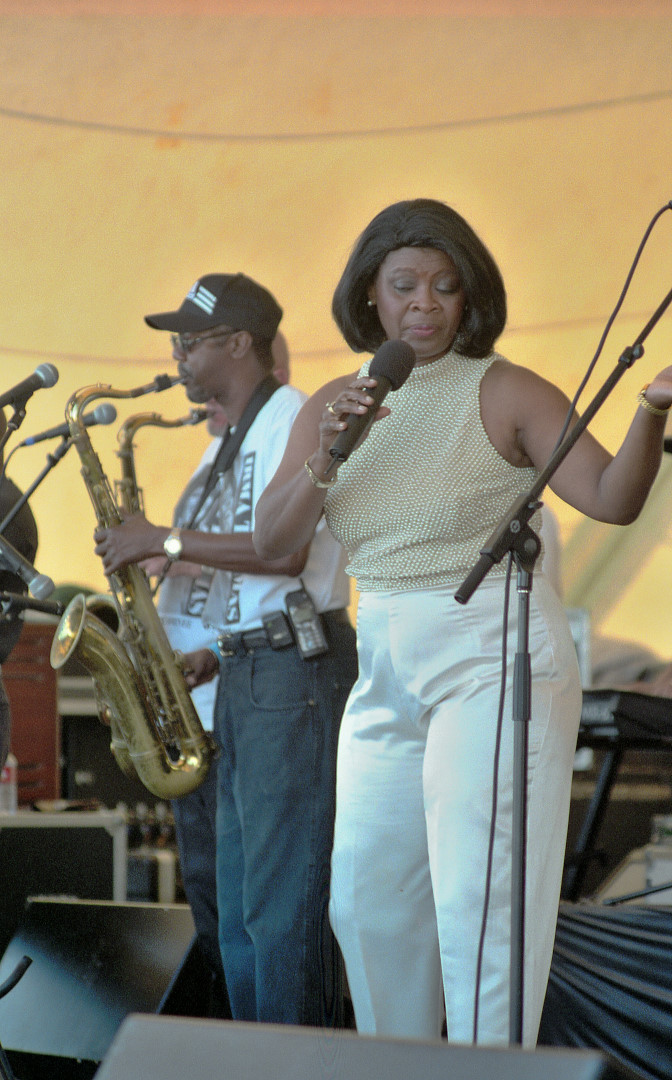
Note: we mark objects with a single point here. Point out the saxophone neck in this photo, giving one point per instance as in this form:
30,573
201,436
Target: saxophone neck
82,397
131,426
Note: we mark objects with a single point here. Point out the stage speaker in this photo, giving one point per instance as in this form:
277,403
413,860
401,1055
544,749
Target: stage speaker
91,965
160,1048
75,853
90,770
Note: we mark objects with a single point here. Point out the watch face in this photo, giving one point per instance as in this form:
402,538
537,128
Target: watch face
172,546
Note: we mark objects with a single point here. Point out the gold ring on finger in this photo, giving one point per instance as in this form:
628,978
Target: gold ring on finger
330,408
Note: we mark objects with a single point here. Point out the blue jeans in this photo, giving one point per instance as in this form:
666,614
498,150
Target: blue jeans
277,718
195,816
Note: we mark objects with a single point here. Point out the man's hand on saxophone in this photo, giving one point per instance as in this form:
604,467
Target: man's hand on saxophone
135,539
199,666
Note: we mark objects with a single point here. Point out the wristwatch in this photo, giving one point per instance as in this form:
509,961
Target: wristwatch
172,545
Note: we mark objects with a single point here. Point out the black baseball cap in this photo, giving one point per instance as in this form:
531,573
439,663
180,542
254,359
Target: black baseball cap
233,300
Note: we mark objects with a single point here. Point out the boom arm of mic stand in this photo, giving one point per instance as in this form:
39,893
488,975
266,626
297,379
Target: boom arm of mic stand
52,459
12,603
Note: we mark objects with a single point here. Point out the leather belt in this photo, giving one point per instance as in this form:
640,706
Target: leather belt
247,641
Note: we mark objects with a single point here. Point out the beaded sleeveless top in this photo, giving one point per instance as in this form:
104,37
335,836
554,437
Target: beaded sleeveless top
416,502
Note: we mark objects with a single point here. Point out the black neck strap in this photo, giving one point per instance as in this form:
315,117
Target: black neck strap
232,441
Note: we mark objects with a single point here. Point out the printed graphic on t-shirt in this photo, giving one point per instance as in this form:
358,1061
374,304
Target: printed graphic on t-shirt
242,523
198,594
195,611
227,509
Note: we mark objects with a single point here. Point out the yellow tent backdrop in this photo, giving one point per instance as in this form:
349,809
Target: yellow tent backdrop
145,143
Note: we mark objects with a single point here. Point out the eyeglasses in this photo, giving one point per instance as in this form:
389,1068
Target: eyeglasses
185,342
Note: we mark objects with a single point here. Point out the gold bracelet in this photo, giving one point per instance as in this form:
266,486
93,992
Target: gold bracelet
315,480
647,404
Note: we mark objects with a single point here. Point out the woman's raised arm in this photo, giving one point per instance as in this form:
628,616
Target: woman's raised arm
523,414
291,506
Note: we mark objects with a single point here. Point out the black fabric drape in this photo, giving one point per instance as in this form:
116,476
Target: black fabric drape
610,986
21,533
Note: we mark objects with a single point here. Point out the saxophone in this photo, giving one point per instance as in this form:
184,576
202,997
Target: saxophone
139,683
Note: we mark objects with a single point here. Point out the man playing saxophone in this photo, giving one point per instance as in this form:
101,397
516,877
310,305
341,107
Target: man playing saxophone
194,815
280,696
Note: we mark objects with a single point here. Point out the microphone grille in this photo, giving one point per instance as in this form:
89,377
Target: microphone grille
47,374
394,360
105,413
41,587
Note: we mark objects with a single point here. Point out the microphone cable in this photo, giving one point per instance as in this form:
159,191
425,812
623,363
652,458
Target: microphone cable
610,322
495,795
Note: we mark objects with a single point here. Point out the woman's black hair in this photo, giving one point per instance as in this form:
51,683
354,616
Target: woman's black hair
425,223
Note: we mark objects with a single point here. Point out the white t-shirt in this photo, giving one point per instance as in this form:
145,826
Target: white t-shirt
195,610
186,632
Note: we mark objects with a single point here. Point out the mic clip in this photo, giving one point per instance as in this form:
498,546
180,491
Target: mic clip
512,534
61,450
18,415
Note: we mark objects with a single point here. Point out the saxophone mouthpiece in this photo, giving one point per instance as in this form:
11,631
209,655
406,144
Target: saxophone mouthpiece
161,382
164,382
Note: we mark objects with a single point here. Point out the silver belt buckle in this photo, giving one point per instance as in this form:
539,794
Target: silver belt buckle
225,645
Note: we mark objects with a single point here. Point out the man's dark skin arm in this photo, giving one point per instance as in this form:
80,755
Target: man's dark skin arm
137,539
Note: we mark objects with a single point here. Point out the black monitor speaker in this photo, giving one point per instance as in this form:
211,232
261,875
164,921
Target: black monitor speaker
93,964
165,1048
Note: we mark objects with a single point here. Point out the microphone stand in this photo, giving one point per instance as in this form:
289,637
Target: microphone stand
14,423
52,460
514,535
11,604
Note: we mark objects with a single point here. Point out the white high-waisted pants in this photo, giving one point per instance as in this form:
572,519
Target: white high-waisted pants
414,795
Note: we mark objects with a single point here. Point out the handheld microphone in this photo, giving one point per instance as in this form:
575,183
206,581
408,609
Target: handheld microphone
391,366
102,414
44,375
39,585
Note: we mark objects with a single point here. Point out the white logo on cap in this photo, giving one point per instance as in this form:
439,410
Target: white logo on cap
203,298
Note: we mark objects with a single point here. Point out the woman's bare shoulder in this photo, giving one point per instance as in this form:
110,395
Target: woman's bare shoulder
506,379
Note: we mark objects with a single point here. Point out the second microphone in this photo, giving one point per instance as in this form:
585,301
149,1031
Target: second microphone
102,414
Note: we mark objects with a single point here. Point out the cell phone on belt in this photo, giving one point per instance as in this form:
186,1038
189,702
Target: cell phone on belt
278,630
306,624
